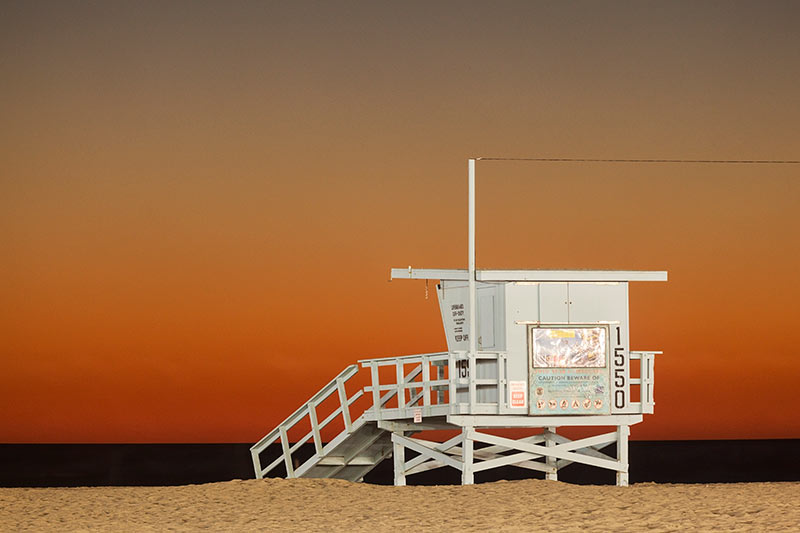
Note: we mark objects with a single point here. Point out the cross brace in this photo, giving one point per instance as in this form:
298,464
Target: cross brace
556,453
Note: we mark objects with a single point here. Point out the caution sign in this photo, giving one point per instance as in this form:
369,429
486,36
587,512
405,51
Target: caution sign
570,391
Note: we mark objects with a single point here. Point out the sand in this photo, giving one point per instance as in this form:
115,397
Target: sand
333,505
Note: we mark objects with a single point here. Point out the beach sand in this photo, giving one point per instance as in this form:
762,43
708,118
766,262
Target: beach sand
333,505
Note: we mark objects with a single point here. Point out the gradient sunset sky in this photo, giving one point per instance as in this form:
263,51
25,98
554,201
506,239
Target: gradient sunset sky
200,201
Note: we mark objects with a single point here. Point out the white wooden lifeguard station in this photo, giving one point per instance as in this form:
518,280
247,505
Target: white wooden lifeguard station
526,349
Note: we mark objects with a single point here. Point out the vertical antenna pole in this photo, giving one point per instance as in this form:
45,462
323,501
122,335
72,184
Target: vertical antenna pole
473,311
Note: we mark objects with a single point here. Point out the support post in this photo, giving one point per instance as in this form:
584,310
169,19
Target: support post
467,474
551,461
622,454
399,455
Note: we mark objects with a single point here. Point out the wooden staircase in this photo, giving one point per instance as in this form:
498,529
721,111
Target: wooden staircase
359,448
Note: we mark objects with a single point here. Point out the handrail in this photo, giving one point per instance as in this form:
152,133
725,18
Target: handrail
295,417
307,409
636,354
302,441
394,358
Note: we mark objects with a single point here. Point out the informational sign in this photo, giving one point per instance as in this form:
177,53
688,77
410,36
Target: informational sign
417,415
453,303
459,317
517,392
569,370
570,391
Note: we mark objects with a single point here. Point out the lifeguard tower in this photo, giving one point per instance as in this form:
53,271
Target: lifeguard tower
526,349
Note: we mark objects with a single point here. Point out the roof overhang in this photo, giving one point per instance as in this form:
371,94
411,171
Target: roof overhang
530,275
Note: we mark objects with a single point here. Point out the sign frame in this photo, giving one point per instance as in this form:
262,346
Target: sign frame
575,390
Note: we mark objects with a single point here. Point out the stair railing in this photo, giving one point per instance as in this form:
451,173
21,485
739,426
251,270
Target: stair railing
309,409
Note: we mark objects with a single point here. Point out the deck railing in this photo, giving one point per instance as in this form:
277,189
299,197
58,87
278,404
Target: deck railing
454,378
645,381
405,387
460,391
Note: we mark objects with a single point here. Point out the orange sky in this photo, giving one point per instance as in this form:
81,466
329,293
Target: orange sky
200,202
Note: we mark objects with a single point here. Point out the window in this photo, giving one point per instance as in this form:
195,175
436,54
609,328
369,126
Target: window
569,347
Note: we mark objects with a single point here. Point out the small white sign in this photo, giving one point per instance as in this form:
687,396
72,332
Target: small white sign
417,415
517,392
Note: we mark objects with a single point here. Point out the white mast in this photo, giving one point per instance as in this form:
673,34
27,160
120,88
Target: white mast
473,311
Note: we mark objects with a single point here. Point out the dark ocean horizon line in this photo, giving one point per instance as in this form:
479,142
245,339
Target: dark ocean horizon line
666,461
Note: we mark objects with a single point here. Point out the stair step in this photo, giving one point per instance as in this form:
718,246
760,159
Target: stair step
355,461
350,455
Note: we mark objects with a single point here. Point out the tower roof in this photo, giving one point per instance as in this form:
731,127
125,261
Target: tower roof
530,275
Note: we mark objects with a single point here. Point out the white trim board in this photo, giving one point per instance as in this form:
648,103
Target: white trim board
530,275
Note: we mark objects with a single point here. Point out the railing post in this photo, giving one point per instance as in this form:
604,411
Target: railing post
426,387
501,380
343,403
257,464
287,454
644,379
452,375
401,391
651,362
471,371
312,416
376,390
439,377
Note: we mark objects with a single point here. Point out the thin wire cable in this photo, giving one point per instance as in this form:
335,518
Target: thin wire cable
590,160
